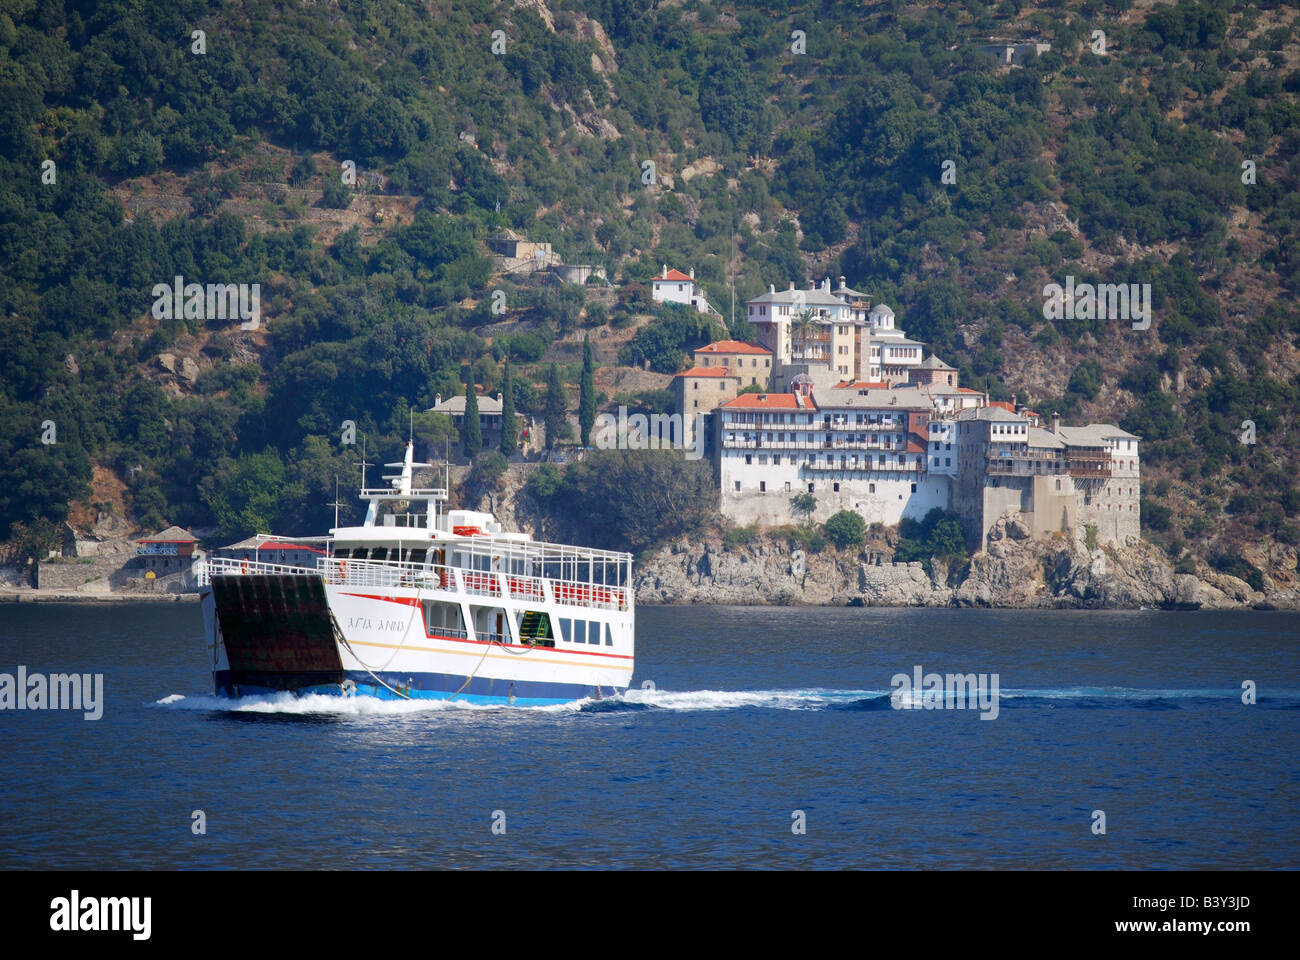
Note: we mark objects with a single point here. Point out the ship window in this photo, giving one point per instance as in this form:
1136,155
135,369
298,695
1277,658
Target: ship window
417,556
566,629
609,634
379,553
343,554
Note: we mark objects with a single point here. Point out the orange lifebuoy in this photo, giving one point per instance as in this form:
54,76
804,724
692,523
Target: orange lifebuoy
343,570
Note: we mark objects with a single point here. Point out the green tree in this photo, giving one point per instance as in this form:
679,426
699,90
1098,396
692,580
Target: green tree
846,529
803,327
250,495
509,422
557,402
939,534
434,431
31,541
545,482
336,196
471,431
587,393
804,504
487,470
631,499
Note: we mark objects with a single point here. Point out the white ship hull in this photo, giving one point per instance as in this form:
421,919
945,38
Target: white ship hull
395,631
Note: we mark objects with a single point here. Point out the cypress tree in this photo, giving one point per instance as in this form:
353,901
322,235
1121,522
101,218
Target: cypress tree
556,404
471,432
509,425
587,396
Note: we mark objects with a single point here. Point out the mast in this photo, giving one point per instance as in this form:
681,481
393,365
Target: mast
362,464
336,504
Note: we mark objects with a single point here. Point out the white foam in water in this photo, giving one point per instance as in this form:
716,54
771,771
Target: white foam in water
289,703
1114,693
811,699
816,698
315,703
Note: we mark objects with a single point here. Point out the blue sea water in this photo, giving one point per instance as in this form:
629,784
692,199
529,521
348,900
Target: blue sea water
755,714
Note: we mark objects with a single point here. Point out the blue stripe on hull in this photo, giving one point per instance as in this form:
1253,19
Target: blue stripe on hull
439,686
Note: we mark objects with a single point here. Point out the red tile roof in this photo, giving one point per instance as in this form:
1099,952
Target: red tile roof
1009,407
706,372
765,401
968,390
675,275
277,545
734,346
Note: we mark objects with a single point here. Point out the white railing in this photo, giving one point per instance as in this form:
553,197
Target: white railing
478,583
833,444
865,467
225,566
573,593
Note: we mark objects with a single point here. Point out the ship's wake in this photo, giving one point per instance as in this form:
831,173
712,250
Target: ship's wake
314,704
809,699
818,698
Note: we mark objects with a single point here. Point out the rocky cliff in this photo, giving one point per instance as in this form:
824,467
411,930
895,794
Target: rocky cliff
1014,572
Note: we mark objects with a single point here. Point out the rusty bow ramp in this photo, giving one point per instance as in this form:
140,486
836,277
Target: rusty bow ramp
278,631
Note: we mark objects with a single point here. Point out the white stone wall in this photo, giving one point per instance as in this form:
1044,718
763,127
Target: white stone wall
879,496
941,451
1113,505
685,292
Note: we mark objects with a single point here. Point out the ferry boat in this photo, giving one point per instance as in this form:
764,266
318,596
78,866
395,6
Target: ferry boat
423,602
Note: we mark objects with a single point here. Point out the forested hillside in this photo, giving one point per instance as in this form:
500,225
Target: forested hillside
777,141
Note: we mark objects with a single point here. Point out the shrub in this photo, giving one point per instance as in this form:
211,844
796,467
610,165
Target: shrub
1235,565
939,534
336,196
303,170
1155,516
545,482
846,529
739,536
488,469
799,537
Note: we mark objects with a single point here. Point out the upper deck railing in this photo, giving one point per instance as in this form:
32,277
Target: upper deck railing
379,574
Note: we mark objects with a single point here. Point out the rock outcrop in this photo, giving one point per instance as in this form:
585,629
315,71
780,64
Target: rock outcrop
1015,571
